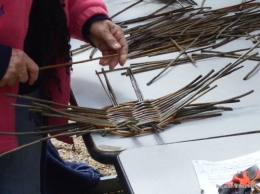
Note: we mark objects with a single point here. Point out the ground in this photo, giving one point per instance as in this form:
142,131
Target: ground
80,154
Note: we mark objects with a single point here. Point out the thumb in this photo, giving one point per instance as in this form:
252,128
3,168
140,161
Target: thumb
110,39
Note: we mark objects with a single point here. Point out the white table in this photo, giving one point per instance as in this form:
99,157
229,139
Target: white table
168,168
245,116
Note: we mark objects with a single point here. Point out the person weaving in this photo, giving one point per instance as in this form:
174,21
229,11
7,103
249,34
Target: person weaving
33,34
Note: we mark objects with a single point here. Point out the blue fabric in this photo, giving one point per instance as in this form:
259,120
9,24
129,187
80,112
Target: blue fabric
5,55
20,170
63,177
38,169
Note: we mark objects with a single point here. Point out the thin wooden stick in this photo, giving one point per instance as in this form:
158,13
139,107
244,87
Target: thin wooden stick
125,9
251,72
54,136
77,62
94,50
167,5
202,4
182,52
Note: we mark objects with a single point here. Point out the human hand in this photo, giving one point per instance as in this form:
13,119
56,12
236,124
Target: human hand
109,39
21,68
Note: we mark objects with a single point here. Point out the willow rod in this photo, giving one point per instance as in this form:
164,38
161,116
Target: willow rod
251,72
125,9
98,111
77,62
54,136
167,5
182,52
188,8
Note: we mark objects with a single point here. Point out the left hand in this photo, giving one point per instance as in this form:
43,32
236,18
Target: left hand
109,39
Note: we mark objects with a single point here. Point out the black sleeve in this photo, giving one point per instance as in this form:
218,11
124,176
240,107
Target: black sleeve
5,55
89,22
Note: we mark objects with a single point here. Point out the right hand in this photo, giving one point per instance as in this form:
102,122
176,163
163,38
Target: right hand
21,68
109,39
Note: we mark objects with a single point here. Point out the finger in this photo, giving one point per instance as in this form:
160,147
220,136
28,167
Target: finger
123,51
124,48
105,61
33,71
113,63
10,76
23,76
111,40
123,55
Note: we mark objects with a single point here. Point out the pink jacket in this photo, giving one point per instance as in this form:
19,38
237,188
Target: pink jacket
14,20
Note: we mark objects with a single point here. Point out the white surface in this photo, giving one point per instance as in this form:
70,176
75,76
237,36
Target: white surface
212,175
168,168
244,117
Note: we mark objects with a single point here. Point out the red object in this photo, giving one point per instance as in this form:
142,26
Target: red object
244,181
241,181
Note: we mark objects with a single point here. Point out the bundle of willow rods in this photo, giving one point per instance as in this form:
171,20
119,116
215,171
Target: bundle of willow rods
185,24
200,30
187,30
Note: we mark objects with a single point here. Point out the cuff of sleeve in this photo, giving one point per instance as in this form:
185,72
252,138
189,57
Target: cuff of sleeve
5,55
88,23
